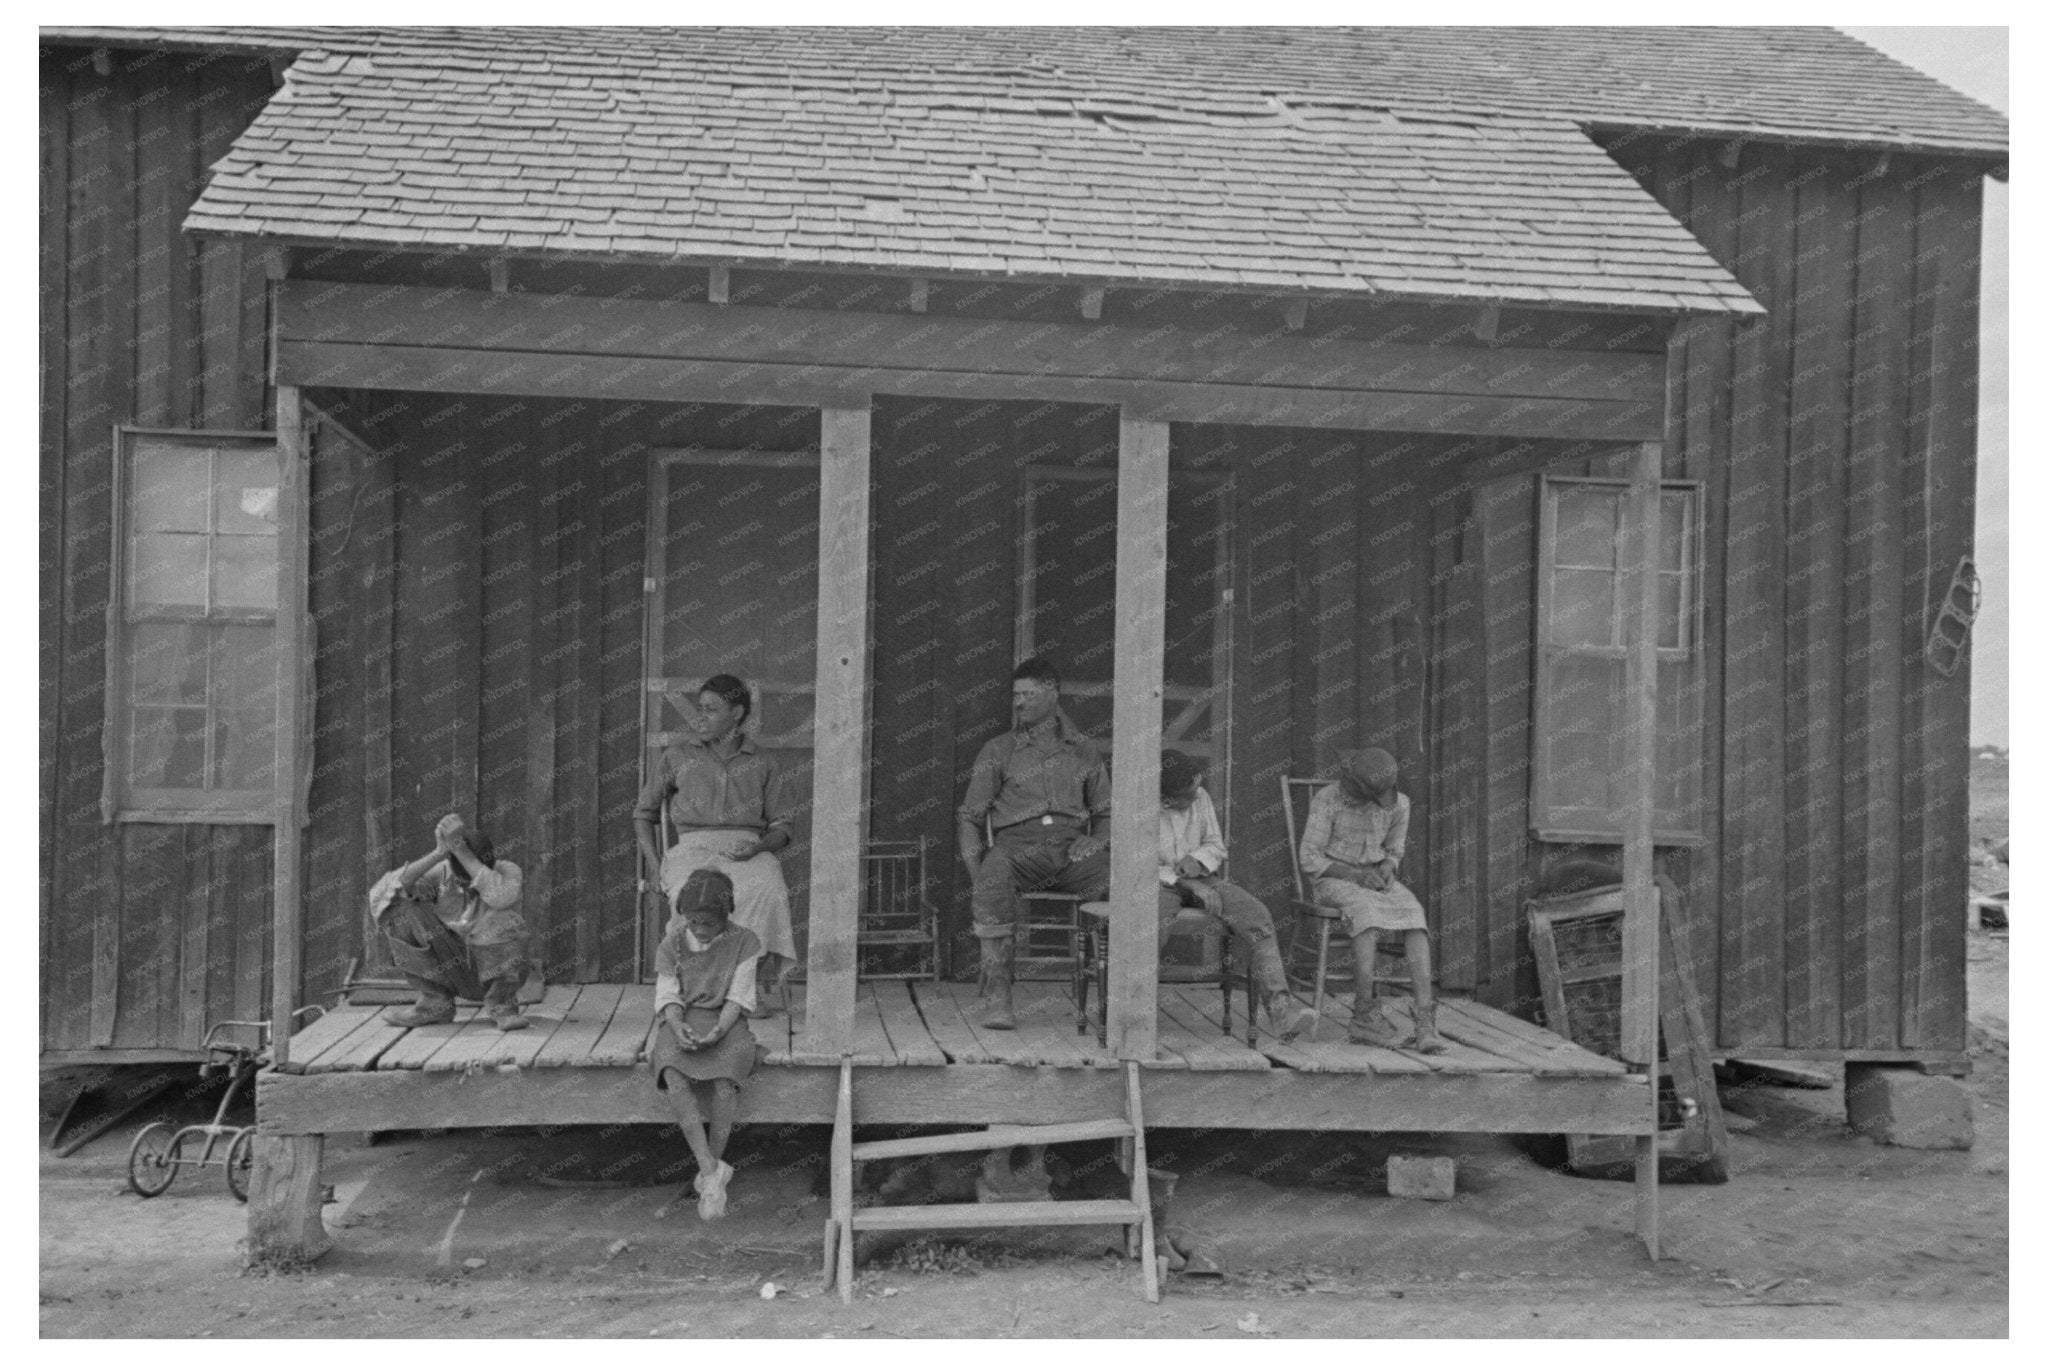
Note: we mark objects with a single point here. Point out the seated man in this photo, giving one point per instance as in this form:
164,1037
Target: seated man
482,955
1351,850
1190,857
1043,788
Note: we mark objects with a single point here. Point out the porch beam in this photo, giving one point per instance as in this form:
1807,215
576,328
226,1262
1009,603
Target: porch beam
572,374
1135,715
286,904
1642,530
839,782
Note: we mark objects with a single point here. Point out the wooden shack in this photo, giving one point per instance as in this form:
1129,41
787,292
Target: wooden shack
1295,389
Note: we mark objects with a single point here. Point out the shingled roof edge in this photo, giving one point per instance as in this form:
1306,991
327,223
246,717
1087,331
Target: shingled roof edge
339,37
1738,301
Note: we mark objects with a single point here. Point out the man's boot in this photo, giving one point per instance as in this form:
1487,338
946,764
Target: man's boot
1427,1039
436,1005
998,959
1291,1017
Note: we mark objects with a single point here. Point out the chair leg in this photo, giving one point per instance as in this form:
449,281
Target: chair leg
1225,960
1082,952
1322,963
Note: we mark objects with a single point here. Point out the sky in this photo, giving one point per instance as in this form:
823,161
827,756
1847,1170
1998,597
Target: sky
1975,61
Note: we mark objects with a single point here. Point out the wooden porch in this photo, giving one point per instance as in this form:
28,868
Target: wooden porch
919,1058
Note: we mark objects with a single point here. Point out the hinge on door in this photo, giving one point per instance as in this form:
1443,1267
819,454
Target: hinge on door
647,585
1952,621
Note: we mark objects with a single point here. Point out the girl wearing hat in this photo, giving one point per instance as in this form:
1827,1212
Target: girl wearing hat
1351,852
702,1048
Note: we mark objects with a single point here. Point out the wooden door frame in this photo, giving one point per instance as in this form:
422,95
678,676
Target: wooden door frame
654,566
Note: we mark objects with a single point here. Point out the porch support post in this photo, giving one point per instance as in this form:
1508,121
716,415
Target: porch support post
286,907
839,784
1134,761
1642,529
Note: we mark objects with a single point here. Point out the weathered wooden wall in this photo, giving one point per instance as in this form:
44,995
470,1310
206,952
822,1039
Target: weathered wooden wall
477,598
148,932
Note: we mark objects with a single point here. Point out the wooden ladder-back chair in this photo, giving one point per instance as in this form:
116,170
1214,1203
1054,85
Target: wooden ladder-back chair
897,918
1313,923
1048,943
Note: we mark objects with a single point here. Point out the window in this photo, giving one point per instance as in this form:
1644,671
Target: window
1578,774
192,663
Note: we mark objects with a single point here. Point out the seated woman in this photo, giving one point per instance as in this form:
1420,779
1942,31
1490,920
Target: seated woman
703,1050
482,954
730,806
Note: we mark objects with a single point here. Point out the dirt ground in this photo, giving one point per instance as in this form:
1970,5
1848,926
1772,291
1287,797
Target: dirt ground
1819,1233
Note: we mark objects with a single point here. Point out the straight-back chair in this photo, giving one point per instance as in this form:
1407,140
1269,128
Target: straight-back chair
1048,946
1094,964
898,937
1312,922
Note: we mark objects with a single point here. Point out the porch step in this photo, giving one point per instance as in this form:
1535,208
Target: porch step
1011,1135
1134,1214
1037,1214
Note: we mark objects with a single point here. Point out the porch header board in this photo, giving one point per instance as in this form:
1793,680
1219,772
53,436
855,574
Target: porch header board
552,345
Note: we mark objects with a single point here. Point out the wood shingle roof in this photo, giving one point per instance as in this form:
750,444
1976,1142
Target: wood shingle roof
1397,162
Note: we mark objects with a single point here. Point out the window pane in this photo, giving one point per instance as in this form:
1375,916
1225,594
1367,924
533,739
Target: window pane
167,570
167,747
245,748
1588,522
167,487
167,664
245,491
1671,633
1677,528
245,572
1582,607
245,676
1584,740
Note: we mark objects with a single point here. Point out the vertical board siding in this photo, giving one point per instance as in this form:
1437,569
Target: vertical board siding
477,605
131,937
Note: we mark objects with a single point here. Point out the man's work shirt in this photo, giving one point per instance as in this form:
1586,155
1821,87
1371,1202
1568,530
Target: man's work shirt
707,791
487,911
1192,833
1021,777
1342,830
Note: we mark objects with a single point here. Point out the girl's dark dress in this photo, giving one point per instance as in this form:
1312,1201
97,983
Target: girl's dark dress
700,979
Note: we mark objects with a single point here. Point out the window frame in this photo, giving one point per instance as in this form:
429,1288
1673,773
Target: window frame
1543,806
122,802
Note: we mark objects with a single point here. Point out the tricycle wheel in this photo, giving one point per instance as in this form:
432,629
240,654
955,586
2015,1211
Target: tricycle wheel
241,1160
153,1159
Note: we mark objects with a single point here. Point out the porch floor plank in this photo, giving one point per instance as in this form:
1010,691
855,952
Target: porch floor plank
1328,1050
330,1031
949,1029
1537,1037
1199,1023
1466,1022
625,1038
582,1024
522,1047
1044,1035
420,1045
907,1033
363,1047
467,1049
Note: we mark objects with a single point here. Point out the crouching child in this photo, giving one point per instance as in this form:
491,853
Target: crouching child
482,954
702,1049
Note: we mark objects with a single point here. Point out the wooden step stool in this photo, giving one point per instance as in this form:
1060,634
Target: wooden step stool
1133,1214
